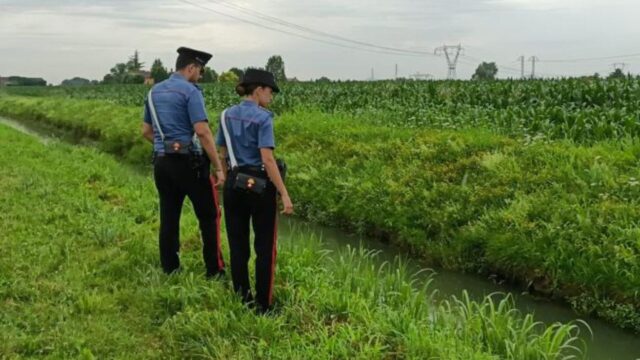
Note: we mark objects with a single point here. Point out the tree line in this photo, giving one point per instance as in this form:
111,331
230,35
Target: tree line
489,70
132,72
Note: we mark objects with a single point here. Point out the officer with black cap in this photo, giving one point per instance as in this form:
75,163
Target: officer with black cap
246,141
175,121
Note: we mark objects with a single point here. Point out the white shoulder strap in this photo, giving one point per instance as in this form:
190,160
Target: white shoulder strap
154,115
227,139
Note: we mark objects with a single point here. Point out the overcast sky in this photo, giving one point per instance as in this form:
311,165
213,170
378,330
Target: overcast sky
87,37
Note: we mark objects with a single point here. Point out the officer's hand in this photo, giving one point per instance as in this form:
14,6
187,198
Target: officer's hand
287,205
219,178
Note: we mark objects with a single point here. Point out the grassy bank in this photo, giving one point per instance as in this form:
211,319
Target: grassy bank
79,278
558,217
582,110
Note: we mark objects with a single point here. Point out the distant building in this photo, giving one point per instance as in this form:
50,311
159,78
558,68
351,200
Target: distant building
148,80
420,76
4,81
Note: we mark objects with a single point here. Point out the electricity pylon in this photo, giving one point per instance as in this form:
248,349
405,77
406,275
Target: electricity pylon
452,53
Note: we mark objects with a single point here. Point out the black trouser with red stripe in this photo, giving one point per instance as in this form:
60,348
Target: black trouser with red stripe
175,179
240,209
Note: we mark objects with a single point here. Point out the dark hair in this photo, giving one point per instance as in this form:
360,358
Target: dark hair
246,89
184,61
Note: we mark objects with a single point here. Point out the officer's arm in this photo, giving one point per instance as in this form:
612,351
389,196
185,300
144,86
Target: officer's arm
223,155
206,139
147,132
274,175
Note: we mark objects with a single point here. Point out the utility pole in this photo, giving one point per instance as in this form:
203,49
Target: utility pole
533,60
452,53
396,71
522,59
372,77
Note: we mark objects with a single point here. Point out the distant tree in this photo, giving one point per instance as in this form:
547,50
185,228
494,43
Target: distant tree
76,81
228,77
158,71
120,75
134,79
485,71
275,65
134,64
108,79
239,73
323,79
117,74
126,73
617,74
209,75
25,81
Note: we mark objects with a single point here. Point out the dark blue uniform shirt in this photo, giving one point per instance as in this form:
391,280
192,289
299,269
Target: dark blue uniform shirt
250,129
179,104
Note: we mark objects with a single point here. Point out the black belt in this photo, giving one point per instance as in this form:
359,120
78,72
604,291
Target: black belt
252,168
158,154
258,171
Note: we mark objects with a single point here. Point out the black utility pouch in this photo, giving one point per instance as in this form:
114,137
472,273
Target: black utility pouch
249,183
177,147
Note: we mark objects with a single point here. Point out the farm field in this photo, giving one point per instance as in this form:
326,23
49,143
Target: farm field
535,182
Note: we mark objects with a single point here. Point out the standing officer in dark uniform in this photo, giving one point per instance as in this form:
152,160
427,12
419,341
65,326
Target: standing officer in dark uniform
246,140
175,121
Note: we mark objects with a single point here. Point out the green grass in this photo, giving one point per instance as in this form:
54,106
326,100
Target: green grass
560,218
582,110
80,278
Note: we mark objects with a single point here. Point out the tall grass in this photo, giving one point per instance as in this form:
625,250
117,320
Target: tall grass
79,278
559,217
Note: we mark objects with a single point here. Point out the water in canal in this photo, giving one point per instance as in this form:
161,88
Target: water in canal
608,342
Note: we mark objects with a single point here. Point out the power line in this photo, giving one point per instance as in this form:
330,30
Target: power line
287,32
294,29
295,26
500,67
591,59
619,66
503,68
387,52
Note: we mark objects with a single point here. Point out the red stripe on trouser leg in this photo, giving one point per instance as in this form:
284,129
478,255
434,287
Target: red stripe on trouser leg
274,253
216,203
